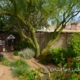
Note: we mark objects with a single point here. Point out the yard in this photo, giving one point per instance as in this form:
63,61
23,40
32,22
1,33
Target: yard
5,70
42,70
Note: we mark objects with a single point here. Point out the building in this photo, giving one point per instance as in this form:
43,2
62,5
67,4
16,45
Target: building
7,42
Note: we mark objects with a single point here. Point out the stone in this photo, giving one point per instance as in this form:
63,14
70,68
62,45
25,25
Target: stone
11,68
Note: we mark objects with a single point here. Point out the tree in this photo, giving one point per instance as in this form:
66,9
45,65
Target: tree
33,14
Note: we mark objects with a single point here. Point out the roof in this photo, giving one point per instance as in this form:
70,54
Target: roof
5,36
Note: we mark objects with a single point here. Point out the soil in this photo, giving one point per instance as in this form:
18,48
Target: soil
5,72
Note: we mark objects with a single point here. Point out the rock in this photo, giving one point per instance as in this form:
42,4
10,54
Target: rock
12,68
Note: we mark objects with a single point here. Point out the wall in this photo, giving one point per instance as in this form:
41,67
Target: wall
44,38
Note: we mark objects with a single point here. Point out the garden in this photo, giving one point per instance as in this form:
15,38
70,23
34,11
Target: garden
66,61
28,17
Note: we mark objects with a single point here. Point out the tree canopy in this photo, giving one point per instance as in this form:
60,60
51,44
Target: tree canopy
33,14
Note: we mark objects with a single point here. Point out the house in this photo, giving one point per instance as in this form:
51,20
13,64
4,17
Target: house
7,42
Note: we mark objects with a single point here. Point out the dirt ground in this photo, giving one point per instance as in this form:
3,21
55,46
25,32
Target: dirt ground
6,72
6,75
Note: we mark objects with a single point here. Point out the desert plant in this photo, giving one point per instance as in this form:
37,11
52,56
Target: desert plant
16,53
19,71
26,74
19,62
27,53
5,61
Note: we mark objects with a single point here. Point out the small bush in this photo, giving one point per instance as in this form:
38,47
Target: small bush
19,62
74,45
76,64
16,53
27,53
20,45
5,61
26,74
20,70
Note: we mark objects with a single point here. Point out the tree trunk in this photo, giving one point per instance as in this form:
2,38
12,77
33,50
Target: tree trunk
52,41
34,43
46,50
37,47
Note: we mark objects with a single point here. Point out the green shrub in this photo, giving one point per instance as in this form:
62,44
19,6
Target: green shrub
20,70
76,64
5,61
25,74
19,62
58,55
22,45
74,45
27,53
16,53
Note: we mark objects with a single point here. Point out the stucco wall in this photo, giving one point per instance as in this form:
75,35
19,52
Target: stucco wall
44,38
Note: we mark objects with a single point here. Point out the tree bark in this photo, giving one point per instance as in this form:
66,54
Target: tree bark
37,47
52,41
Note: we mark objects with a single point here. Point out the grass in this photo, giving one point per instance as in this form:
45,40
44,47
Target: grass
20,69
19,62
5,61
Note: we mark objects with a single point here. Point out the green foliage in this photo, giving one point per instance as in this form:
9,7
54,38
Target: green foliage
21,70
16,53
5,61
19,62
26,74
64,75
58,54
34,14
22,44
27,53
74,45
76,64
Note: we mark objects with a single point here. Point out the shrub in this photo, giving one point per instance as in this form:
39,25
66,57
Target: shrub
19,71
22,45
19,62
16,53
27,53
26,74
63,75
5,61
58,54
76,64
74,45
